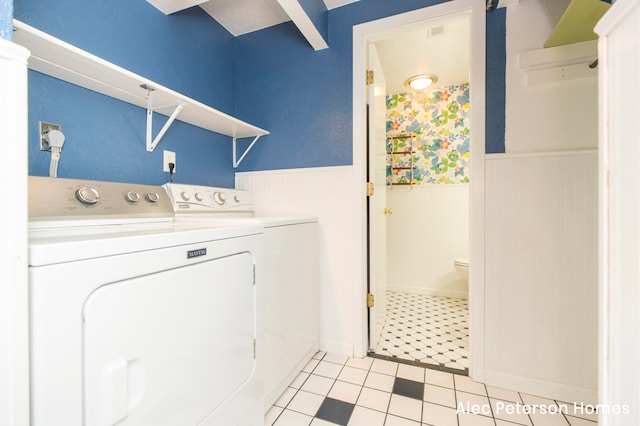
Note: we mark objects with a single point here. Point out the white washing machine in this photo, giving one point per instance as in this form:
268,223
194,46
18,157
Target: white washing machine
136,319
290,272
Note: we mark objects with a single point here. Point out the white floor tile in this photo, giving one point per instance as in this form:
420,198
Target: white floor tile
405,407
320,422
272,415
438,378
509,411
548,419
328,369
311,365
411,372
299,380
465,384
536,400
292,418
474,400
374,399
379,381
474,420
286,397
343,391
576,421
319,355
362,416
361,363
353,375
399,421
318,384
384,367
336,359
305,403
580,410
503,394
504,423
437,415
440,395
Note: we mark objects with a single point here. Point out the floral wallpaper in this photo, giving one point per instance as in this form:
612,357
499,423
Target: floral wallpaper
438,121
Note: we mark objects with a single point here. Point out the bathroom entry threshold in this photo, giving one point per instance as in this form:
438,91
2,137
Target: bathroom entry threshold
458,371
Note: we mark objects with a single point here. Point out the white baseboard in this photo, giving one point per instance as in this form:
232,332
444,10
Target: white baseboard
438,292
551,390
337,348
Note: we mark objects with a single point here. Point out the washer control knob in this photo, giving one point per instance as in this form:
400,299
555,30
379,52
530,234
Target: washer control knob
185,195
236,198
152,197
199,196
219,197
133,196
87,195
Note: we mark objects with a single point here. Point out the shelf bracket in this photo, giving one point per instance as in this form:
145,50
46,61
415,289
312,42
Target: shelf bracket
151,141
236,160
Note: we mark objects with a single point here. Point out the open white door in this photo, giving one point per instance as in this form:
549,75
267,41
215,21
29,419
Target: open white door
377,154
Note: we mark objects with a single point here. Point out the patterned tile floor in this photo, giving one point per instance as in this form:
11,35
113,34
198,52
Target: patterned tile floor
336,390
429,330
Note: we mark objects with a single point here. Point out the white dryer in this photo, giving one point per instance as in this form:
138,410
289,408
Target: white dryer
289,272
138,320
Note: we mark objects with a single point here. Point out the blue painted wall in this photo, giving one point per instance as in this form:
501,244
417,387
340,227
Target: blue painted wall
105,139
6,18
304,98
496,86
271,78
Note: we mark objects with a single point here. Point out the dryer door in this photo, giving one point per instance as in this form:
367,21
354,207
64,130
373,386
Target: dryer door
171,347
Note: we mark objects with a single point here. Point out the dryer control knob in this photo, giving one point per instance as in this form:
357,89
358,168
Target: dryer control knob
185,195
87,195
219,197
199,196
236,198
152,197
133,196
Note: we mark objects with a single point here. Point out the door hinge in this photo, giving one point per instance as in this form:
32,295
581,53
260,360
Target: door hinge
369,77
370,300
370,189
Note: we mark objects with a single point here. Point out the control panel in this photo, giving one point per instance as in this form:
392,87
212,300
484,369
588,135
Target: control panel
208,199
72,199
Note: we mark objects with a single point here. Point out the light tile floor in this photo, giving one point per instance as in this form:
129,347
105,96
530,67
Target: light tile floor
336,390
426,329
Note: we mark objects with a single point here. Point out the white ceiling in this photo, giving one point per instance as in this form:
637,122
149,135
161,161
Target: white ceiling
240,16
441,48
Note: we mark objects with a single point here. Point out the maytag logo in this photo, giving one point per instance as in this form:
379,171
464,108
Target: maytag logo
196,253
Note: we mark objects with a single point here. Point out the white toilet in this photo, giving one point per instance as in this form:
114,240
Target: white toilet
462,266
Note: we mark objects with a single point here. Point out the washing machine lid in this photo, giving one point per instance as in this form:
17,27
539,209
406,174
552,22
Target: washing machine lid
68,244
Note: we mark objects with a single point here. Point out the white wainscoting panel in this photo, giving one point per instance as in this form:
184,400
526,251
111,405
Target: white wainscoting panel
428,230
329,194
541,274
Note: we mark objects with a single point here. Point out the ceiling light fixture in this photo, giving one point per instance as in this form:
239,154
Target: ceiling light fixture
420,82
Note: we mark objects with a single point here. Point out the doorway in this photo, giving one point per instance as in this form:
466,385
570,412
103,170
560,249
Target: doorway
376,32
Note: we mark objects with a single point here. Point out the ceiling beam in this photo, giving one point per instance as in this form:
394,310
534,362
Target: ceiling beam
302,18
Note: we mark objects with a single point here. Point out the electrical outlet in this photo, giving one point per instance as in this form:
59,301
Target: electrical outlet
44,128
169,157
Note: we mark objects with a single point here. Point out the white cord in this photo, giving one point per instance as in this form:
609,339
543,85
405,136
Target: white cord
55,139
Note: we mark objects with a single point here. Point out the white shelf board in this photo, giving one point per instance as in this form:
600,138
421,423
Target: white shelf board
61,60
583,52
